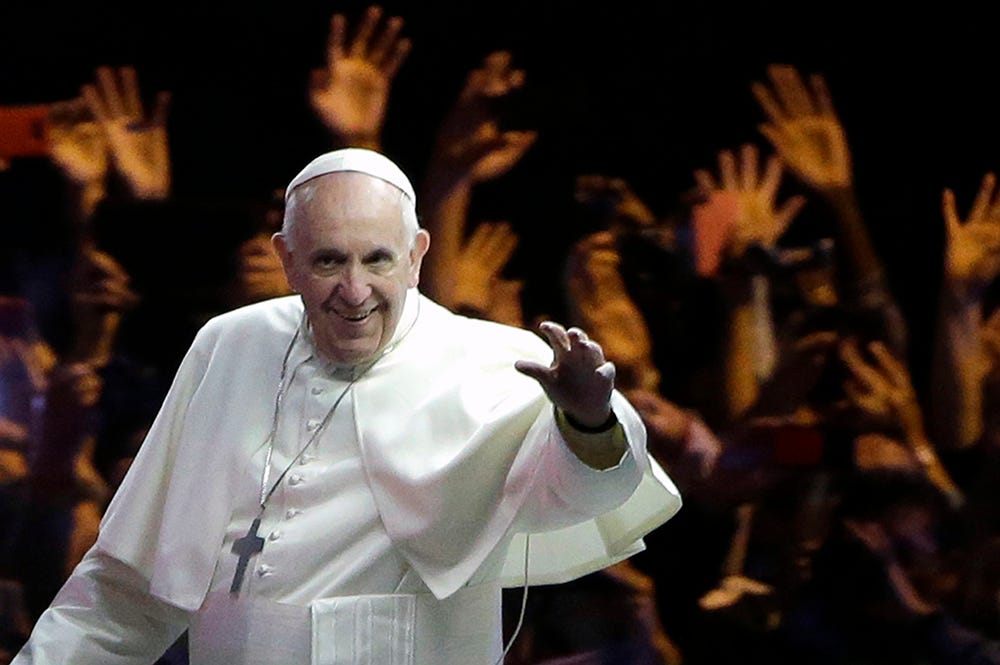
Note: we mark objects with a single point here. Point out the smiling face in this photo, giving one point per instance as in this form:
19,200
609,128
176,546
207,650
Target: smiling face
352,258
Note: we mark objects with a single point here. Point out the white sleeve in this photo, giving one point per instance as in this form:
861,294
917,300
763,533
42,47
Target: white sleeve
103,615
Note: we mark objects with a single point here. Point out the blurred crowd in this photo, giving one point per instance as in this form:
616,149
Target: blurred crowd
833,513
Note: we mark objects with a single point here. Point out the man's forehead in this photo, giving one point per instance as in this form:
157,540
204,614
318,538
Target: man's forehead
354,204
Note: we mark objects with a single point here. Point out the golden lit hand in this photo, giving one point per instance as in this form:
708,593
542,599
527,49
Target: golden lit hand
758,220
972,255
882,389
350,96
479,265
138,143
804,129
470,141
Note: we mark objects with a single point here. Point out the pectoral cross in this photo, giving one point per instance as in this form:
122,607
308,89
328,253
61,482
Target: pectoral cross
246,547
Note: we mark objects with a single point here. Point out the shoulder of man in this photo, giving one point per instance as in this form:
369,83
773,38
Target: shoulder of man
475,335
275,318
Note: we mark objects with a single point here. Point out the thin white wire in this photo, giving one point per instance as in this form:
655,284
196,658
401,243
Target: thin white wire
524,603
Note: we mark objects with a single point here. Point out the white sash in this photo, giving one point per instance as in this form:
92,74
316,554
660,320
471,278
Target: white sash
392,629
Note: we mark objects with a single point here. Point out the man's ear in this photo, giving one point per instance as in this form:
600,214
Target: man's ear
420,244
280,243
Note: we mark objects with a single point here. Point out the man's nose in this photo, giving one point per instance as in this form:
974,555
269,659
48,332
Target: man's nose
354,287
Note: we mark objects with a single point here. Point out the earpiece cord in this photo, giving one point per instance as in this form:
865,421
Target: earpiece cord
524,603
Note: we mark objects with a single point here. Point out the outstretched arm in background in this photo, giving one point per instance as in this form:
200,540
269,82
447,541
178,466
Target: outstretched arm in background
882,391
810,139
599,302
351,94
470,148
80,150
137,142
753,218
478,289
971,262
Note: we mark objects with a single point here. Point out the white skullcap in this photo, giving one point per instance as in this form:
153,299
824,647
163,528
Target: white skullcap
354,159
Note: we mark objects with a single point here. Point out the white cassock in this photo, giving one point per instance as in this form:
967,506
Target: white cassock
387,541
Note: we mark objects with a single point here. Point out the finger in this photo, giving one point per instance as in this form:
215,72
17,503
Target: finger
556,335
768,103
867,375
162,108
727,170
748,174
863,399
771,180
607,370
540,373
94,102
993,215
705,181
983,198
109,91
794,96
505,246
335,45
787,212
399,53
96,259
385,39
477,240
498,245
131,102
776,136
359,45
495,67
516,79
520,138
821,94
891,366
577,334
584,350
950,212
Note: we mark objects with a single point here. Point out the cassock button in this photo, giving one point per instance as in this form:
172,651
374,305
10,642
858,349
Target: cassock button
295,479
274,535
317,390
312,425
291,512
263,570
306,458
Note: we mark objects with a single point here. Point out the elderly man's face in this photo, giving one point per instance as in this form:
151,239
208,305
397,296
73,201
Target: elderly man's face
350,257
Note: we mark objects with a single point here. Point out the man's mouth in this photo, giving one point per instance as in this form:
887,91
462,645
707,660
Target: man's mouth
355,316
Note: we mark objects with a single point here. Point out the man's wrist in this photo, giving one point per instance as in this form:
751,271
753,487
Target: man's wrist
606,426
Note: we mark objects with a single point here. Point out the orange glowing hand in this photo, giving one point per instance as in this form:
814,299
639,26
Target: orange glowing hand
804,129
350,96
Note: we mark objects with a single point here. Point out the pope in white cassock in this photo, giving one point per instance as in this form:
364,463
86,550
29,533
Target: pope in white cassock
351,475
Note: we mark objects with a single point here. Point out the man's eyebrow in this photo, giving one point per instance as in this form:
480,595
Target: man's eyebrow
380,253
328,251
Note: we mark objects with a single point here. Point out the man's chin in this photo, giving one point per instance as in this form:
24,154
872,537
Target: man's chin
350,353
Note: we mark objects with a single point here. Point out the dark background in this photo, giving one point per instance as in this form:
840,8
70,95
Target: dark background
643,90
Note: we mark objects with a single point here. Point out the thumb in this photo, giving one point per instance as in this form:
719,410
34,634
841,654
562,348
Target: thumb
536,371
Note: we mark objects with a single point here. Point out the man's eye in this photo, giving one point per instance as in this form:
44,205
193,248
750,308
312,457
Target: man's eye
327,262
380,262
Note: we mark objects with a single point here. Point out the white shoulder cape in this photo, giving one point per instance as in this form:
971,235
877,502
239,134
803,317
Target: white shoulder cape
453,440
